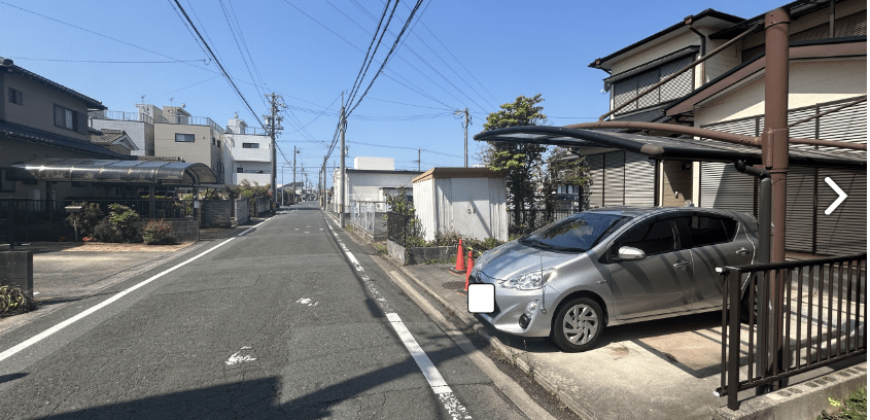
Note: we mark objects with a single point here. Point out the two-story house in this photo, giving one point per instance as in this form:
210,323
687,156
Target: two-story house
193,139
827,69
42,119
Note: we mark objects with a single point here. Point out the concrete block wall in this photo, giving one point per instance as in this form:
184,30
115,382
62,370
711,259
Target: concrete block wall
242,212
217,213
16,269
186,230
263,205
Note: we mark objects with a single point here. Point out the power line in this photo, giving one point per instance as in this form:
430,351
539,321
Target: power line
214,57
427,96
430,65
387,58
367,60
405,148
61,60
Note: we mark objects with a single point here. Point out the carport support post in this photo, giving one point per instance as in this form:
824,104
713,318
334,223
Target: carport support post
774,153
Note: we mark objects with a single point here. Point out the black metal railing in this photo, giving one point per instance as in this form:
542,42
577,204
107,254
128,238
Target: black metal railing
401,226
163,208
23,220
799,316
523,222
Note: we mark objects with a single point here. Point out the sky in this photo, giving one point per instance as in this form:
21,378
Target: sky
453,55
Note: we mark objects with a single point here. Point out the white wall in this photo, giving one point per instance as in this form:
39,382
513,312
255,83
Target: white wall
134,129
473,207
261,154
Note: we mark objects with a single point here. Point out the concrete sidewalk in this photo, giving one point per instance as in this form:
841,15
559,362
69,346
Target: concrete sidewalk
666,369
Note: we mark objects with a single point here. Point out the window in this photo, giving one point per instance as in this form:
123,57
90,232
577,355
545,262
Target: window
577,233
184,138
65,118
240,170
16,97
5,184
250,145
706,230
628,88
651,238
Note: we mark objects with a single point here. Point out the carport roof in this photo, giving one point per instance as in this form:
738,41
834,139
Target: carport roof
114,171
671,148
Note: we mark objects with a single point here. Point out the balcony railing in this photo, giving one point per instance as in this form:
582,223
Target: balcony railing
188,120
255,131
121,116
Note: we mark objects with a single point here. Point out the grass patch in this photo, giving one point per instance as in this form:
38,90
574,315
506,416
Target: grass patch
852,408
13,301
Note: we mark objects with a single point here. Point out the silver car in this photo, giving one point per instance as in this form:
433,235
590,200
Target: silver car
611,266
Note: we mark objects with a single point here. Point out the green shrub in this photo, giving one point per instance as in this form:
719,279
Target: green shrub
86,220
13,301
853,408
158,232
122,225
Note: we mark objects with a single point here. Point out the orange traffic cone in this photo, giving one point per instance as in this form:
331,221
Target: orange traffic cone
470,267
460,260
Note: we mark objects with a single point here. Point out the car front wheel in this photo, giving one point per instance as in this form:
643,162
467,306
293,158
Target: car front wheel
578,325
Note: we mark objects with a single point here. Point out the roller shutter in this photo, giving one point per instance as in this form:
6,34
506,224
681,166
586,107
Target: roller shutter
722,187
595,190
640,175
799,226
614,179
844,231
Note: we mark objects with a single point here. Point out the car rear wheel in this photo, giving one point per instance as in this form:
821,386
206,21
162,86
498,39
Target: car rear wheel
578,325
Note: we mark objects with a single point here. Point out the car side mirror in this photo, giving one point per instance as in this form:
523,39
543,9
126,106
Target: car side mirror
627,253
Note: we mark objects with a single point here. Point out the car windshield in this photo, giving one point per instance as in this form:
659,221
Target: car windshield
577,233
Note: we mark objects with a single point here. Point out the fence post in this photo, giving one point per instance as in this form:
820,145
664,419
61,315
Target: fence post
733,278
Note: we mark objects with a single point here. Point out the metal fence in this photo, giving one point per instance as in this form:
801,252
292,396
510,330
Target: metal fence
370,217
799,316
32,220
23,220
530,219
401,226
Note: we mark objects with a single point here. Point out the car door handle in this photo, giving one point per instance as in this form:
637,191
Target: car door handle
742,251
681,265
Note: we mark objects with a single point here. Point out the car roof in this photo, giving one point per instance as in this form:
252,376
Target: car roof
642,211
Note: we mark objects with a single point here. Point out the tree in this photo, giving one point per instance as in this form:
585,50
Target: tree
520,163
563,169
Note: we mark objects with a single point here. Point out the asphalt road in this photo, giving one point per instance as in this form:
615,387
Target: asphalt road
272,324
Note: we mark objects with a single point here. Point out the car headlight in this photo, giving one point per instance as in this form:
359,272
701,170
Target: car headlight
528,281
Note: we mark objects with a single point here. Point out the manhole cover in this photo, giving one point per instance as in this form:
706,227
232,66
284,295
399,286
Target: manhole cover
454,285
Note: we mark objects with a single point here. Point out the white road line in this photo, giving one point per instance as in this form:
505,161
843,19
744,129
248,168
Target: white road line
439,386
43,335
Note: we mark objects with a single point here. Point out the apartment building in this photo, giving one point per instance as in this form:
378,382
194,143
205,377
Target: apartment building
193,139
138,125
827,69
251,152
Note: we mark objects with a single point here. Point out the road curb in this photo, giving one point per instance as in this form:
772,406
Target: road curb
516,356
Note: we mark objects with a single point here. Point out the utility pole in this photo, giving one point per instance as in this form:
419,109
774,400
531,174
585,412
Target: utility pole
418,159
465,126
273,122
293,188
323,195
341,168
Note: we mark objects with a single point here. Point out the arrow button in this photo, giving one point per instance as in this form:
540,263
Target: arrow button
839,200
